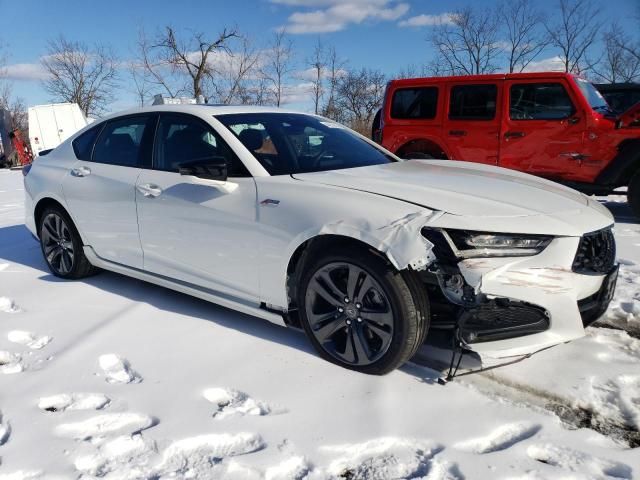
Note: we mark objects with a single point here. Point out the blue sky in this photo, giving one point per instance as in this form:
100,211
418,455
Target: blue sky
370,33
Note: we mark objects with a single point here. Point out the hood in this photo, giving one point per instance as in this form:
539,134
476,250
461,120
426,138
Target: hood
459,188
630,117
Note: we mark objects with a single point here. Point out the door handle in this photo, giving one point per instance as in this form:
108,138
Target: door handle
509,135
149,190
81,172
457,133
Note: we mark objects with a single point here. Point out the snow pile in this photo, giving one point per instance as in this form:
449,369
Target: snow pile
10,362
574,461
624,311
5,430
106,424
196,457
232,402
501,438
383,458
118,370
28,339
73,401
7,305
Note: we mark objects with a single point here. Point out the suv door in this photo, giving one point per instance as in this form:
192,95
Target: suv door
198,233
542,129
472,126
100,188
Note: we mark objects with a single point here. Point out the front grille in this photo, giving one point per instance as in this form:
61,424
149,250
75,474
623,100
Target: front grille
596,253
501,319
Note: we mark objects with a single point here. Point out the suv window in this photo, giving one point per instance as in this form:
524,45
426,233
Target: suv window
83,145
184,138
539,101
473,102
120,142
416,103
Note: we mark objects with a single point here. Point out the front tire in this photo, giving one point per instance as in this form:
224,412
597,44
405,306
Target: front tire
361,313
633,194
62,246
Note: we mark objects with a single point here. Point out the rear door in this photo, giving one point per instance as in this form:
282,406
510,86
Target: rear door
100,189
542,129
472,125
196,231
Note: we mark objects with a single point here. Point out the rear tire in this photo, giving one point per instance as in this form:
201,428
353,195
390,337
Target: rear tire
361,313
62,246
633,194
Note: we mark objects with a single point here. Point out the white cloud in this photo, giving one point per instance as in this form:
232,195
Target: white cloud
552,64
322,16
425,20
24,71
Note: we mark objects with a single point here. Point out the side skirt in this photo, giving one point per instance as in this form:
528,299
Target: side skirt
185,287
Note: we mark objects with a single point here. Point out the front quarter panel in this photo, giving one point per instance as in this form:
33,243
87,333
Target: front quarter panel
291,212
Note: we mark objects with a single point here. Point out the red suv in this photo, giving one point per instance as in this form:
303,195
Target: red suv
554,125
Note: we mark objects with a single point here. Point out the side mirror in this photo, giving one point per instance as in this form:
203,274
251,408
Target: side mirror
210,168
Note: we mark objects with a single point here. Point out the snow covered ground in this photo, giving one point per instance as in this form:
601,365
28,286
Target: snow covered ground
114,378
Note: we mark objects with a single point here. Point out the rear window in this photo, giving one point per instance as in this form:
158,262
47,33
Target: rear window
539,101
414,103
473,102
83,145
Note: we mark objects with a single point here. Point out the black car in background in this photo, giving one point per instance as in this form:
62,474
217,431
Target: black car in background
620,96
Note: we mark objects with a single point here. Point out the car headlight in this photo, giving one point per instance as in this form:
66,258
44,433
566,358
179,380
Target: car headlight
486,244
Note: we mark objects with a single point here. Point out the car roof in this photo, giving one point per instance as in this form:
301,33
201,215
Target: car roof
477,78
203,109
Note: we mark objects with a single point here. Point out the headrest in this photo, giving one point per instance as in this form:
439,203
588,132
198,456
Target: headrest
251,138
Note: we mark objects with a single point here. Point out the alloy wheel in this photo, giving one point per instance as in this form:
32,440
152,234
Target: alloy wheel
349,313
57,244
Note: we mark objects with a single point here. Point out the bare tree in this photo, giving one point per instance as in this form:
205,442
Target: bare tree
181,65
525,39
335,70
575,34
278,65
360,94
467,44
413,71
79,74
618,64
238,79
318,64
141,86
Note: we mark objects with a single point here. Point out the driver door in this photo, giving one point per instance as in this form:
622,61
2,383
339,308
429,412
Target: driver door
196,232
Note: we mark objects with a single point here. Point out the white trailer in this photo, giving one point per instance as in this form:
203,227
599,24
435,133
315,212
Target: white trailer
50,125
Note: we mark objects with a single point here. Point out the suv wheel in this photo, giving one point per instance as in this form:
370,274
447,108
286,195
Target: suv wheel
360,313
633,194
62,246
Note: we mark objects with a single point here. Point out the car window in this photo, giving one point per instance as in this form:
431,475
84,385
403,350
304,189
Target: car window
539,101
414,103
287,143
120,142
473,102
83,145
184,138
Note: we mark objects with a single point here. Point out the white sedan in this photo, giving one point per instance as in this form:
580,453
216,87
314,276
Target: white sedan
299,220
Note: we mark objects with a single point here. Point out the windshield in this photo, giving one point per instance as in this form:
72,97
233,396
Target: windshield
288,143
593,96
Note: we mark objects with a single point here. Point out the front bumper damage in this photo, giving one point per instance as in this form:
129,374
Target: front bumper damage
514,306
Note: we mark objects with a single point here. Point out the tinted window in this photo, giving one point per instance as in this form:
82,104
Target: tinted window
473,102
120,142
83,145
183,138
295,143
539,101
418,103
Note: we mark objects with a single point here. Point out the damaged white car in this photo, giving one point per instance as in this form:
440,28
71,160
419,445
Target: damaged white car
299,220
